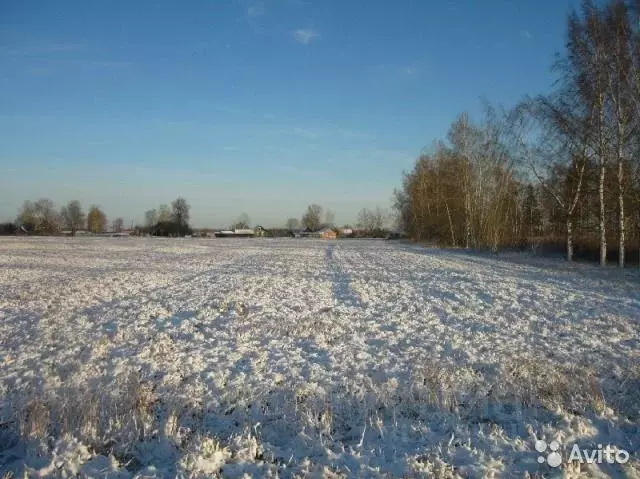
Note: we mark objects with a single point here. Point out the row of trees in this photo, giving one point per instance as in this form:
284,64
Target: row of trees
166,221
373,222
370,222
566,164
465,192
314,219
42,217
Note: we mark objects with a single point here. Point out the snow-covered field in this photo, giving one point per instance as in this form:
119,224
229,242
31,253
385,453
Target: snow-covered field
297,358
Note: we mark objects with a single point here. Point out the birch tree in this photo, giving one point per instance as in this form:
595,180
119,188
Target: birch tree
549,139
463,138
73,216
584,83
180,211
312,219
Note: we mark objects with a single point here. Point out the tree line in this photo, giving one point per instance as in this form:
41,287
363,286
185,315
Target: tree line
558,169
168,221
370,222
42,217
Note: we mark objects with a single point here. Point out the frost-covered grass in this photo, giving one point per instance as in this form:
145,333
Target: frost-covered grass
296,358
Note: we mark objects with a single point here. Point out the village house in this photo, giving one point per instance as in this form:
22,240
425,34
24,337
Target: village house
328,233
324,233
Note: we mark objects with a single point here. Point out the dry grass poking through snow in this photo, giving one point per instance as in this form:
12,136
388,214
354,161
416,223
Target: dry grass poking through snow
177,358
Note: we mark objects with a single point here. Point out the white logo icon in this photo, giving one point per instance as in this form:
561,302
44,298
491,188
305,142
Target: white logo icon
554,459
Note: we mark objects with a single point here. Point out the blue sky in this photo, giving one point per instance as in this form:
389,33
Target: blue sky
249,106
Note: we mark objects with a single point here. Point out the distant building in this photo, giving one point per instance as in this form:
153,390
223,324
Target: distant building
328,233
236,233
244,232
325,233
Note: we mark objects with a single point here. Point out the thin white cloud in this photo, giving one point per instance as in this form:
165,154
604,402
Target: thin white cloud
353,134
389,71
305,35
296,3
526,34
409,71
379,154
301,171
255,10
40,71
45,49
254,13
306,132
111,64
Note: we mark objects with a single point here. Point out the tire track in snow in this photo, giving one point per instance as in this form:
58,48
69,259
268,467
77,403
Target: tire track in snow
343,293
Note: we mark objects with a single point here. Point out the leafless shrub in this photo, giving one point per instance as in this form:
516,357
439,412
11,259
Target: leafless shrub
35,418
542,383
621,391
434,385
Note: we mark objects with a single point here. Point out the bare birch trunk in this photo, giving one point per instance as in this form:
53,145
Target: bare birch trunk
621,233
453,237
603,232
467,220
569,239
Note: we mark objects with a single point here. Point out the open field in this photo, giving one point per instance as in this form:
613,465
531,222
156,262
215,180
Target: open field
197,358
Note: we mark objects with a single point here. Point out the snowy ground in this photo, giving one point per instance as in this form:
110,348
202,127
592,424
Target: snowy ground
296,358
